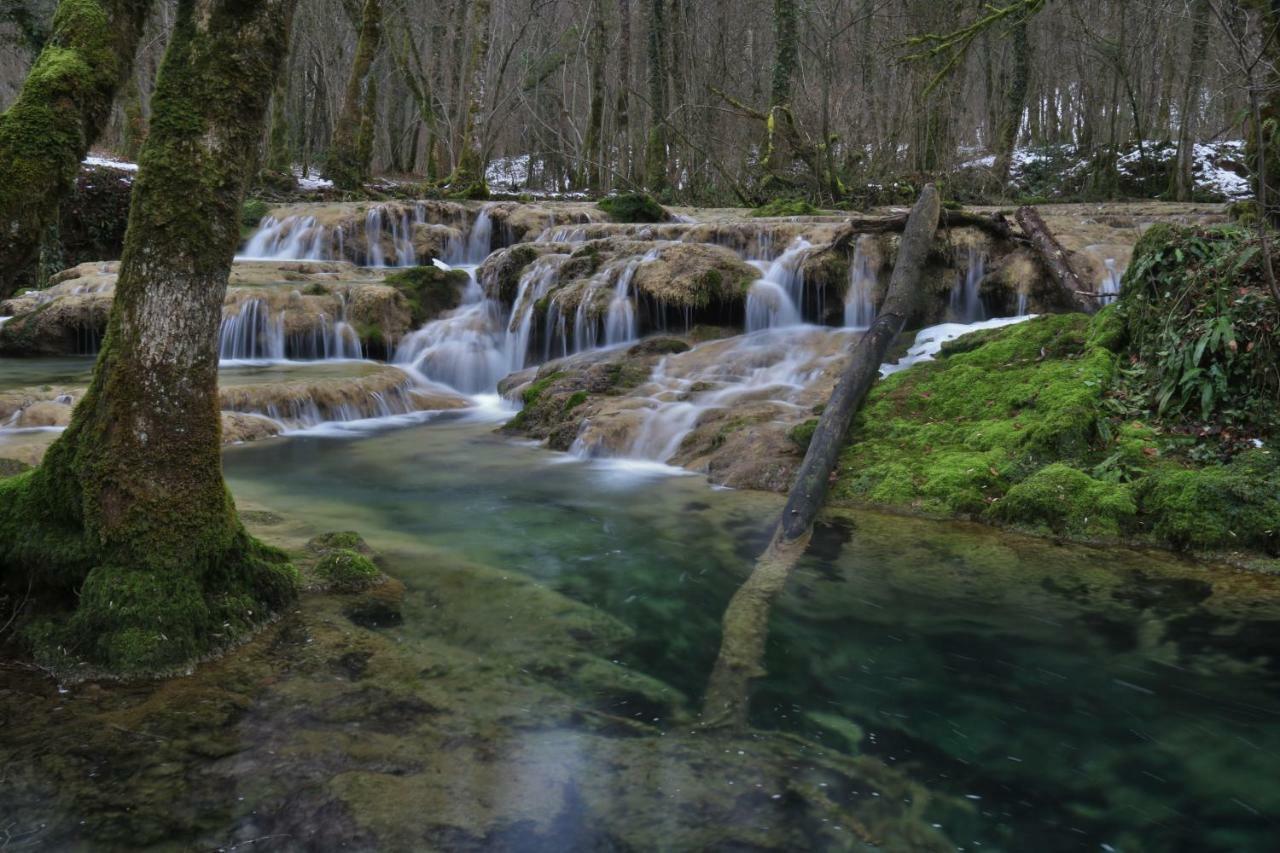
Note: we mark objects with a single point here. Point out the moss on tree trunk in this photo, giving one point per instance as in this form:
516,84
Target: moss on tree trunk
349,160
129,507
60,111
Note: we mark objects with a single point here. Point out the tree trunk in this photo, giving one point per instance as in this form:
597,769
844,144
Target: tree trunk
746,620
1183,180
1054,258
1016,102
279,162
347,165
593,156
471,165
63,106
129,506
784,64
655,159
626,162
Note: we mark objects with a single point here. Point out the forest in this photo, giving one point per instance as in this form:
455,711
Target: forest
644,424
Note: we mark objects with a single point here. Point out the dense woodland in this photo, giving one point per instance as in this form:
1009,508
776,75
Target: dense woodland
674,97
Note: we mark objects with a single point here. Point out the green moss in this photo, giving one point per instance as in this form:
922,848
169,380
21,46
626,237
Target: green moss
346,570
429,290
801,434
786,207
1232,506
535,389
251,213
12,467
1107,329
1066,500
347,539
576,399
633,207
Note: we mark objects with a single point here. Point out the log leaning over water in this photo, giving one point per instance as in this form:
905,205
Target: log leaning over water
995,225
1075,291
746,620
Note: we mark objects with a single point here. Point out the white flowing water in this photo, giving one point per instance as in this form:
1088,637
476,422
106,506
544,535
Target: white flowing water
1110,287
774,300
966,300
291,238
620,324
535,281
302,238
772,365
859,300
250,332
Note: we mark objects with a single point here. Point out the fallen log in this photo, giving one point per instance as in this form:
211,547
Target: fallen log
746,619
1073,290
994,225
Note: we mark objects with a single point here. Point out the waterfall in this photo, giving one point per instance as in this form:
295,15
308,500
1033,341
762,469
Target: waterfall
464,349
966,300
620,321
302,238
1110,283
535,281
859,301
773,300
480,240
251,333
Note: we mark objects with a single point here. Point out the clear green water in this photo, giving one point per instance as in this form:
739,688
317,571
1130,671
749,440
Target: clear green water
1049,698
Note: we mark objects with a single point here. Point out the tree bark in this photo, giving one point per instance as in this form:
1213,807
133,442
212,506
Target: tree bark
655,159
995,225
471,166
626,162
1016,102
129,506
593,155
348,164
746,620
1054,258
63,106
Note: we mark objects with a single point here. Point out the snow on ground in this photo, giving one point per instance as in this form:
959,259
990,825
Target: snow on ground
929,341
110,164
311,180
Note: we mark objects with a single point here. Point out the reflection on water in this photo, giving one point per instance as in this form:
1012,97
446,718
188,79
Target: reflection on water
536,689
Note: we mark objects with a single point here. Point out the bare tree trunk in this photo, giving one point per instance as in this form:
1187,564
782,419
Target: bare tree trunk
746,620
656,146
129,506
1015,103
1183,181
626,158
593,155
63,106
347,164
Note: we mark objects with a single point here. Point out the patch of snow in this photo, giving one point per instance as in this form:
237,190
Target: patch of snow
110,164
508,174
311,180
929,341
1257,442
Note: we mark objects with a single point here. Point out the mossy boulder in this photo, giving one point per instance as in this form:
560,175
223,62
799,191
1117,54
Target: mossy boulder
633,207
786,207
429,290
1231,506
345,570
695,276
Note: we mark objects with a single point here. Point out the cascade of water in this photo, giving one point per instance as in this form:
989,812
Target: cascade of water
535,281
773,300
1110,283
620,322
251,333
775,365
480,240
859,301
373,238
302,238
462,349
292,238
966,300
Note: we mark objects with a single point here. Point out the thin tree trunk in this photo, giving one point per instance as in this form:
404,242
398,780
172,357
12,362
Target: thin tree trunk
626,160
129,506
656,147
1015,103
1072,288
784,64
61,110
593,156
746,620
347,165
1183,181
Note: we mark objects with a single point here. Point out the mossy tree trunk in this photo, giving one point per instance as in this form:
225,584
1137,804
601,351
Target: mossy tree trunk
655,158
1182,182
626,170
784,64
347,165
129,507
63,106
1015,103
593,155
471,165
279,160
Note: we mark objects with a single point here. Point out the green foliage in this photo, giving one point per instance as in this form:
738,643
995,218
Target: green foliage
1203,326
535,389
1231,506
251,213
576,399
429,290
786,207
633,207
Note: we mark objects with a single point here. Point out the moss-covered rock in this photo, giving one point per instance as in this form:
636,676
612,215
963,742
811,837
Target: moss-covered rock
429,290
345,570
633,207
785,207
1232,506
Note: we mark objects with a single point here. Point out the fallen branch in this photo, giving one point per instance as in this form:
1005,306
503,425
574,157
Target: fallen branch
994,225
746,620
1055,261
